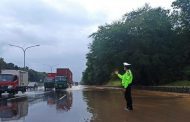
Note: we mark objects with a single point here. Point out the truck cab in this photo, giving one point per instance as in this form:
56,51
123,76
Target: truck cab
12,81
49,82
8,82
61,82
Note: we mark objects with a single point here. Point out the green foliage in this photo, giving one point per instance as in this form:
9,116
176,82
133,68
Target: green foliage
147,38
182,12
116,83
33,75
182,24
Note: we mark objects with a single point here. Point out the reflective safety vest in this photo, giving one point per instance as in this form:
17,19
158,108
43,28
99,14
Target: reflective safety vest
126,78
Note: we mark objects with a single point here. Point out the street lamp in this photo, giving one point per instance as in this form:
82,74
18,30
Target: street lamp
51,66
24,50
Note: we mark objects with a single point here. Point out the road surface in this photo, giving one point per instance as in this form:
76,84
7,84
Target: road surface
95,104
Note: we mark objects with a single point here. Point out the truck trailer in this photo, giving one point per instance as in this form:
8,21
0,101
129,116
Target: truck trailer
63,78
12,81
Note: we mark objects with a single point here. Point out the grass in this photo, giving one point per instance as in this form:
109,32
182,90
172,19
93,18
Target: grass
178,83
114,83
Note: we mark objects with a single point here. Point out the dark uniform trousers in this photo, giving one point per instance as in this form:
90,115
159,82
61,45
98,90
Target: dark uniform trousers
128,97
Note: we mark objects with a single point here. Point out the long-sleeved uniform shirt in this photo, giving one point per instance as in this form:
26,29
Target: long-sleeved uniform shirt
126,78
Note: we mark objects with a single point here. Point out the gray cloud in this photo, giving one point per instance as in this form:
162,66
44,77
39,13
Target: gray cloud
62,30
63,35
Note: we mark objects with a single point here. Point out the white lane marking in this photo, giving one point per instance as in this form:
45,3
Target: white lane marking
62,97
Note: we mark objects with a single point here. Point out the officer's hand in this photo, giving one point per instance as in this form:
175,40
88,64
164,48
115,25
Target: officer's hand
116,72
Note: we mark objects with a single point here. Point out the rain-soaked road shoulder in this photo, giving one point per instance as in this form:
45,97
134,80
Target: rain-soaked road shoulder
98,104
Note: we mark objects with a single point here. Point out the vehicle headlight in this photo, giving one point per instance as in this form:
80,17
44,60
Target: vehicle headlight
9,87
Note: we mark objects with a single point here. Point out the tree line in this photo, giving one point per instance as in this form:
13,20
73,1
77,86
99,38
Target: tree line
155,41
33,75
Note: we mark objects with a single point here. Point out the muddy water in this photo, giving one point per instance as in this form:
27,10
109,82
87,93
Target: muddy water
97,104
108,105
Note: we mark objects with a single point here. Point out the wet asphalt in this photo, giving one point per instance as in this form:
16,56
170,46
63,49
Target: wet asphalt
94,104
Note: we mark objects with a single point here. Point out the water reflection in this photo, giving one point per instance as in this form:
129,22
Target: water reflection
63,106
67,106
62,99
104,104
13,110
65,103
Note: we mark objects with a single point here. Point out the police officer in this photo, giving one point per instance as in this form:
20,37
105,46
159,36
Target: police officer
126,79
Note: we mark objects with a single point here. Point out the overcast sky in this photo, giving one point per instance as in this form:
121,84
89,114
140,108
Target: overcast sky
60,27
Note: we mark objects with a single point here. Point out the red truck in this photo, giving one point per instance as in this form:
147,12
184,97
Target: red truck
51,75
63,78
12,81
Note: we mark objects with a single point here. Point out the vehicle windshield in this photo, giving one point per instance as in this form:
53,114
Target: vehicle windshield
49,80
60,78
6,77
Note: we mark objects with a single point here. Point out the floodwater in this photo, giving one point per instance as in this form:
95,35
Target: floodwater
96,104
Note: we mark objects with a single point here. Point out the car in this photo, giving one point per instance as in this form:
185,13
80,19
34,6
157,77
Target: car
32,85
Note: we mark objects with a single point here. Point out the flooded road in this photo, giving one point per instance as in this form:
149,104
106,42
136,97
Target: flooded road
96,104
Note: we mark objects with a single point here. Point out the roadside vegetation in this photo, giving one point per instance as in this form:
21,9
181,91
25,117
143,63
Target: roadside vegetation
33,75
154,40
115,83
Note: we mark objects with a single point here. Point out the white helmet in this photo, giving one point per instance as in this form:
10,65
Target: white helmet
126,64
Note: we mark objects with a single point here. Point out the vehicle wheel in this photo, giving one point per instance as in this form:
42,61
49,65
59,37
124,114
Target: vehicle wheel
16,92
11,94
24,90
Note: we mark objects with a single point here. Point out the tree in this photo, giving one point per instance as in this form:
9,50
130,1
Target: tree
182,12
33,75
181,23
143,38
